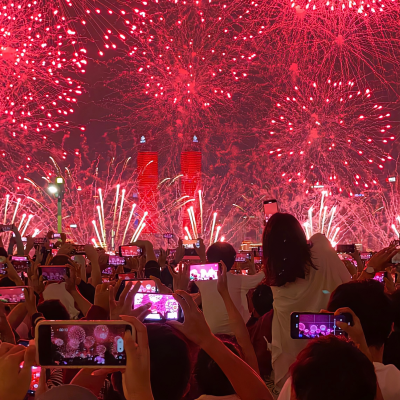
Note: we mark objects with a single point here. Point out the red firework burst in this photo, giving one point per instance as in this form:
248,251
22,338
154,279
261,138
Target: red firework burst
329,132
186,66
38,86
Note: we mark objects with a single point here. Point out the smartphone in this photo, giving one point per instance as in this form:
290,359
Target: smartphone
157,253
257,260
242,257
168,235
312,325
3,265
24,239
116,260
39,240
345,248
163,306
190,252
380,276
20,263
204,272
146,285
12,295
129,251
127,277
6,228
79,249
54,252
108,271
365,256
54,273
82,344
270,208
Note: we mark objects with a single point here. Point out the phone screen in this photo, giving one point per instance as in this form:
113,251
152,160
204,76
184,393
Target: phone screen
129,251
203,272
93,344
345,248
257,260
270,208
127,277
365,256
56,236
379,276
189,244
243,257
35,378
310,325
146,286
116,260
53,273
163,306
20,262
12,295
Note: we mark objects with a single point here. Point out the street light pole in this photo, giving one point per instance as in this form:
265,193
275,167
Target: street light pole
60,196
58,191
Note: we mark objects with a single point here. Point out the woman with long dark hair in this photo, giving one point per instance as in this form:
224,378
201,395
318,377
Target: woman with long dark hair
302,276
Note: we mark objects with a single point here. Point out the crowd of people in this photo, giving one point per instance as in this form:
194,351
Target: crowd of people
233,337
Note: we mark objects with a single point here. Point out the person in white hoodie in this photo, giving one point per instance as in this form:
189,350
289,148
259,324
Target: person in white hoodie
302,275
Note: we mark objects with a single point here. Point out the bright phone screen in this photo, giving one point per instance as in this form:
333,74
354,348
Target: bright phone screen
204,272
94,344
163,306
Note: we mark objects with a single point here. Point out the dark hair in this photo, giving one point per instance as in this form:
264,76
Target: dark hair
368,301
170,366
395,297
391,352
3,252
287,255
325,369
53,309
209,376
262,299
222,251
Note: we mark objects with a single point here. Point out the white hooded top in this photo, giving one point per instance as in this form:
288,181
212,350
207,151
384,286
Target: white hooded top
304,295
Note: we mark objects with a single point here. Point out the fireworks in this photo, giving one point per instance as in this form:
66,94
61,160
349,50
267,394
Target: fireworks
38,88
330,132
186,65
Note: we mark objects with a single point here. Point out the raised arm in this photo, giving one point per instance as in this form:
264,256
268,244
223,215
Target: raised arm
93,257
236,321
246,382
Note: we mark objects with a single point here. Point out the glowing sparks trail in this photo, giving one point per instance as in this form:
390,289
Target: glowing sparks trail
128,223
217,233
188,233
121,207
139,227
201,213
5,208
212,227
97,232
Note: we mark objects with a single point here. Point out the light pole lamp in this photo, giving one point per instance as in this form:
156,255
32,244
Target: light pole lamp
58,190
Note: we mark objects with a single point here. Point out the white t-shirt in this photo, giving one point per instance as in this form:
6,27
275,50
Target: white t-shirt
388,377
213,306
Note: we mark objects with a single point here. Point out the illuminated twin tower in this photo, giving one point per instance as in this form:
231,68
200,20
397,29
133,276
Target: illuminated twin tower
148,181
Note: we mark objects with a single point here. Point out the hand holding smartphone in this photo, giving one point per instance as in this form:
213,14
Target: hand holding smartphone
311,325
163,306
82,344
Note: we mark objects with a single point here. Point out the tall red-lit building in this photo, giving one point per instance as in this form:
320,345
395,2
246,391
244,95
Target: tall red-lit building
147,168
190,184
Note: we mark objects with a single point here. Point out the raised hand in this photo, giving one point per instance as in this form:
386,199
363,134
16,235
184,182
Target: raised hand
124,306
136,377
181,277
194,327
